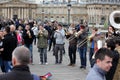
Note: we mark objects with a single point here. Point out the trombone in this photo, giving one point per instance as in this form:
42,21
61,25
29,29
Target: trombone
76,34
89,38
83,42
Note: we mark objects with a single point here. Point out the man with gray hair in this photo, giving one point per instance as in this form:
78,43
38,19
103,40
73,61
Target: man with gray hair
20,61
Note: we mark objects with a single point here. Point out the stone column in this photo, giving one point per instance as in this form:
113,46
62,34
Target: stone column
18,12
26,13
11,13
3,12
32,13
8,13
22,14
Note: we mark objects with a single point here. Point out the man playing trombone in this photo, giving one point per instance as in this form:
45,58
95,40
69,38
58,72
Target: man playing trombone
72,44
93,44
82,35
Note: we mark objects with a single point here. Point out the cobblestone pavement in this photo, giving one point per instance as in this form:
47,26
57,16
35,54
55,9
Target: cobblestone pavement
59,71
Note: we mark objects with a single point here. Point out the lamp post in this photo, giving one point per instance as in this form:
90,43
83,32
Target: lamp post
43,11
69,8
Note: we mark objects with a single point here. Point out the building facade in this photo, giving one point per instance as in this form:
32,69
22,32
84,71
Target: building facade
59,12
17,9
95,12
99,10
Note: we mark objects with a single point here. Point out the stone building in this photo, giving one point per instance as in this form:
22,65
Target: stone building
17,9
59,12
98,11
95,12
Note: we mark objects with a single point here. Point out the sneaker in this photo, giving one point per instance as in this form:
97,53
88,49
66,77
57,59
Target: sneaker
46,63
41,63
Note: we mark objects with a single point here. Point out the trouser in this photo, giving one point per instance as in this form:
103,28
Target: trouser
43,55
90,56
30,47
82,52
51,42
2,65
8,65
58,47
72,54
35,40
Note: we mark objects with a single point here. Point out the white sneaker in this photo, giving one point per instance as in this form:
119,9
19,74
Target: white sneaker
46,63
41,63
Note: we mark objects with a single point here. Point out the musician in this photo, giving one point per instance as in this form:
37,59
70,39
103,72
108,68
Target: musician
28,37
72,45
111,46
42,44
117,48
111,32
82,35
93,44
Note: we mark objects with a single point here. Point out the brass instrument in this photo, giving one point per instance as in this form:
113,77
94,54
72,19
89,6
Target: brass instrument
76,34
89,38
41,33
114,19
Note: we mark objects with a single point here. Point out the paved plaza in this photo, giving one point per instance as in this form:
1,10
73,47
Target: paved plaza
59,71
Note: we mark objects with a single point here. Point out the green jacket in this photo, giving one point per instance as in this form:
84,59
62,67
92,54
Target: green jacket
42,39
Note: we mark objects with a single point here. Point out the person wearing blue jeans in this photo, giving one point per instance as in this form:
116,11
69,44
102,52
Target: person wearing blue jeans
93,41
43,55
82,47
42,43
30,47
28,37
83,59
8,66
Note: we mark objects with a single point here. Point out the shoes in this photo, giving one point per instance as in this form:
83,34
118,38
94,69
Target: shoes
56,62
60,62
70,64
84,67
81,66
41,63
46,63
73,65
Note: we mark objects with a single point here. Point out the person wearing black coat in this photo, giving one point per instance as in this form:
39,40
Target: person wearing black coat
28,37
9,44
20,61
111,45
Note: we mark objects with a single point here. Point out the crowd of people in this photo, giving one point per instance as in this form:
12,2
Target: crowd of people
103,55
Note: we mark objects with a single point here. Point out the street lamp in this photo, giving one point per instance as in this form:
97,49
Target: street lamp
69,8
43,11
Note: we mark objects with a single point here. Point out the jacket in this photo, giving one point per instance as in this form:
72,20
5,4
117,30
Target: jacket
20,72
28,40
9,44
42,39
96,73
